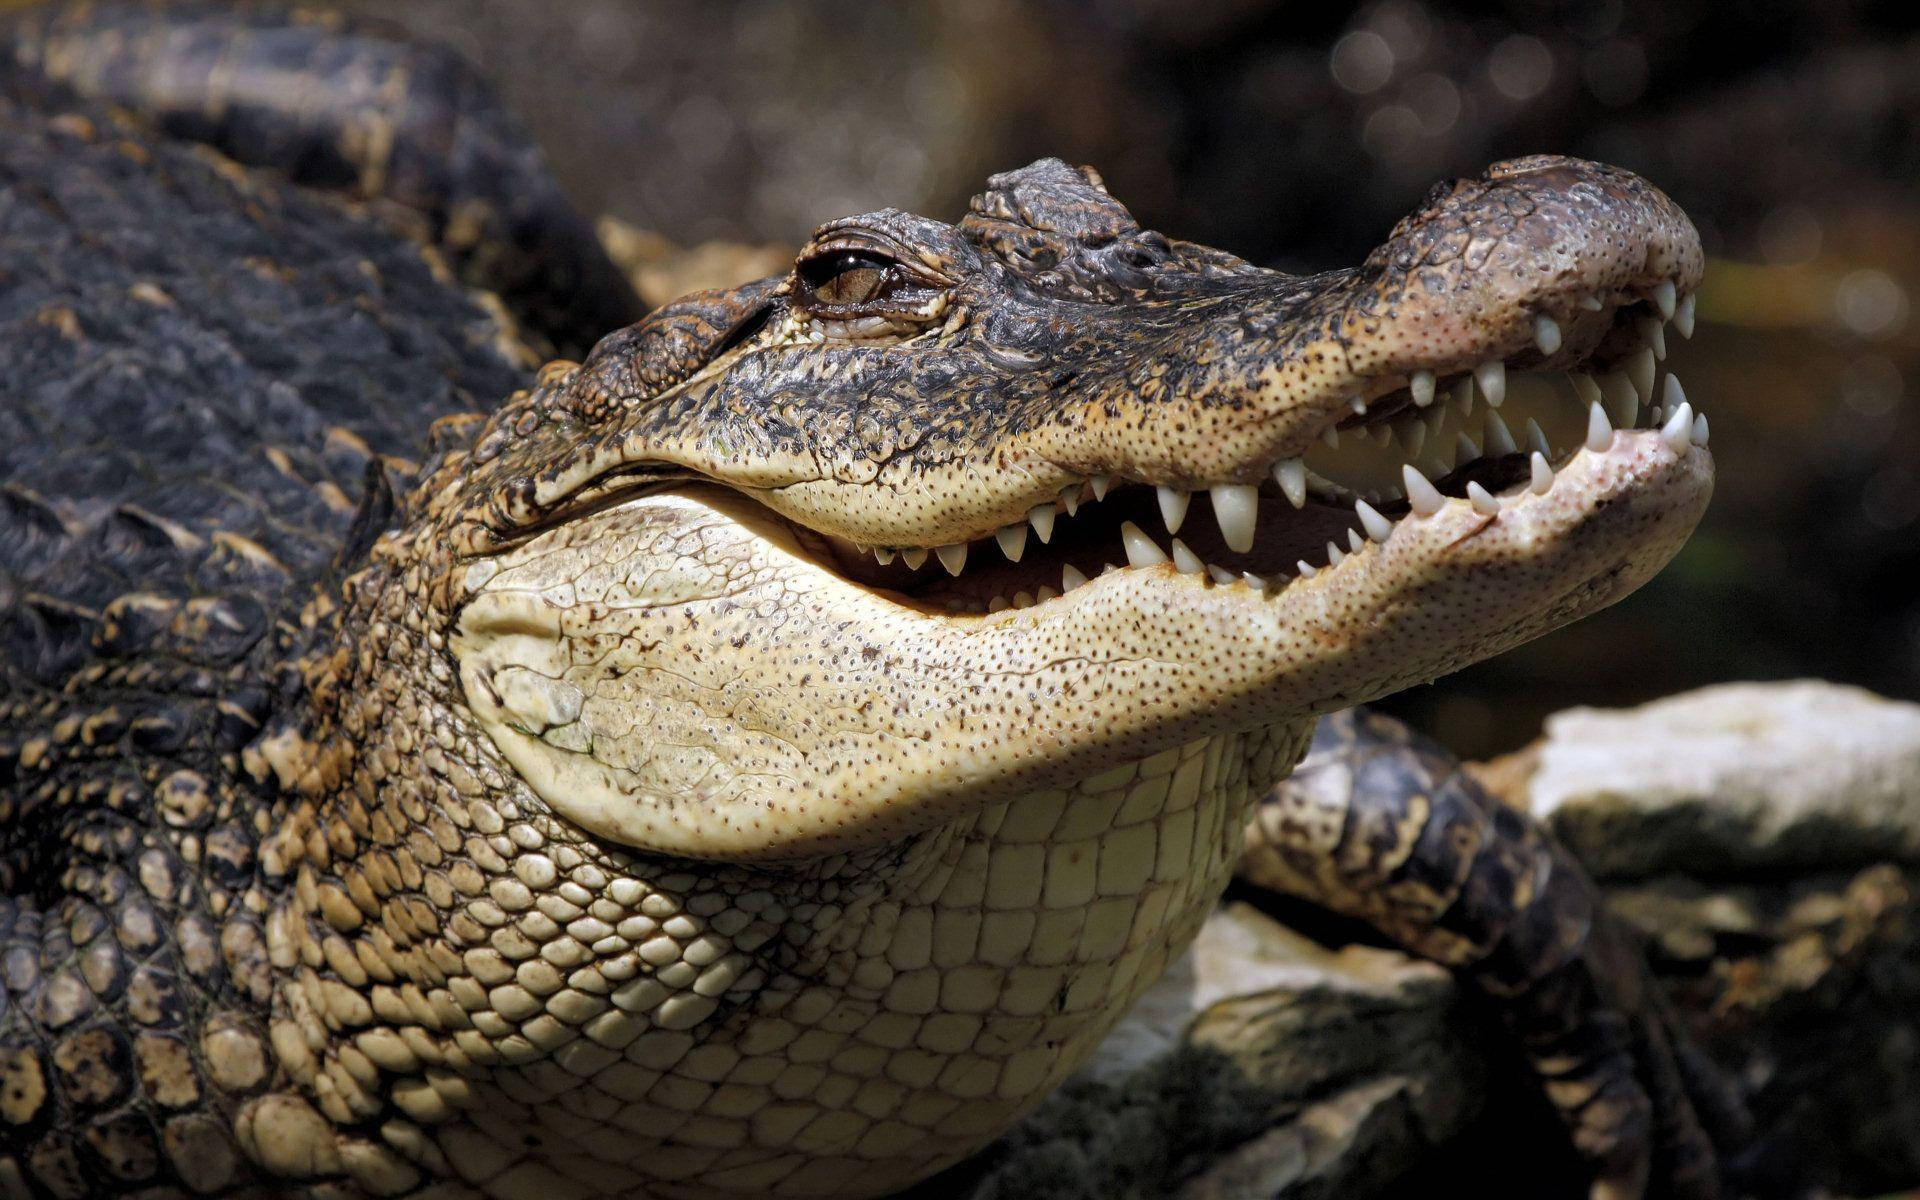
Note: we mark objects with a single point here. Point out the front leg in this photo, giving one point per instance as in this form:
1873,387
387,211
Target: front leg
1379,824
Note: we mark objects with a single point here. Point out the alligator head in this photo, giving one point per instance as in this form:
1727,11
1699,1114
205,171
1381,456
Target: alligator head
912,528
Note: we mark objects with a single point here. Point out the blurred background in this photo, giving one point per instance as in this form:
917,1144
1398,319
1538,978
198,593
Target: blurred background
1295,135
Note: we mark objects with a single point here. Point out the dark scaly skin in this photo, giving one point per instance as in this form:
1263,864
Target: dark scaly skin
298,891
352,105
1380,824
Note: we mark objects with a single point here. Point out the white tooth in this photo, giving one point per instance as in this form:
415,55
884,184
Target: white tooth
1421,494
1591,303
1070,577
1359,405
1040,516
1291,475
1672,395
1654,333
1109,568
1678,431
1492,378
1023,599
1331,437
1663,298
1236,506
998,604
1584,387
1220,574
1070,498
1484,502
1542,475
953,558
1185,560
1464,451
1599,429
1463,395
1700,430
1537,438
1499,437
1100,484
1415,437
1623,402
1378,527
1013,541
1173,506
1546,333
1253,581
882,555
1354,540
1335,555
1306,569
1045,593
914,558
1640,371
1141,549
1683,317
1420,383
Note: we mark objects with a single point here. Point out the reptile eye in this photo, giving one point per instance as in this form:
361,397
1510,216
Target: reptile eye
848,279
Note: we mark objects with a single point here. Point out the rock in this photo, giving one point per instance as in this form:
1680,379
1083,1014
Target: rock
1734,779
1263,1064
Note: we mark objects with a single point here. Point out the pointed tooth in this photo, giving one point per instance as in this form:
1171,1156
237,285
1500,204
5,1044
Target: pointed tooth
1415,437
1663,298
1425,499
1331,437
1678,431
1220,574
1672,395
1013,541
1186,561
1070,499
1354,540
1291,475
1591,303
1623,402
1492,378
1142,551
1070,577
1335,555
1499,438
1306,569
1045,592
1463,395
1546,333
1640,370
1599,429
914,558
1700,430
1023,599
1253,581
1584,386
1236,506
1041,516
1537,438
1100,484
953,558
1653,331
882,555
1464,451
1173,506
1683,317
1420,383
1358,404
1378,527
998,604
1542,475
1484,501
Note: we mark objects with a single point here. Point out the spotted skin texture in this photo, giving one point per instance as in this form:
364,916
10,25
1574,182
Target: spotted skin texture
569,816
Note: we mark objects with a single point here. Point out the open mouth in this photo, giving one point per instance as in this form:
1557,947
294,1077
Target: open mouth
1492,437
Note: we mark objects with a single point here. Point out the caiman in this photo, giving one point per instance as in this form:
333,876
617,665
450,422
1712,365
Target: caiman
766,756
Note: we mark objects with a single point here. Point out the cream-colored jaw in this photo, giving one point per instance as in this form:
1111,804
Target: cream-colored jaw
690,674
